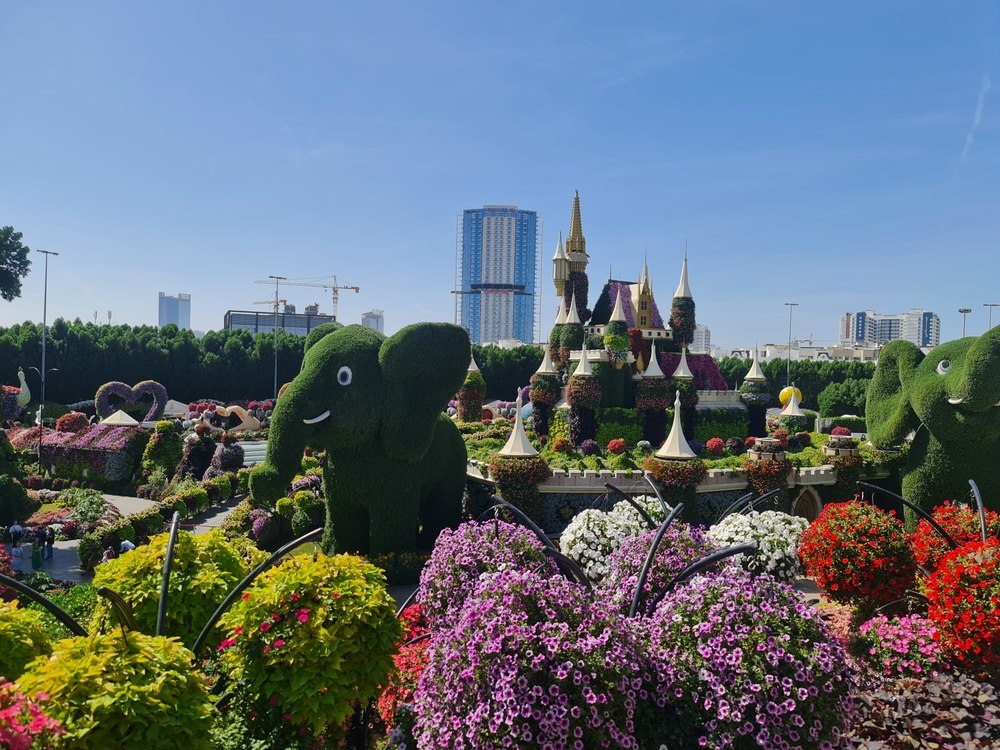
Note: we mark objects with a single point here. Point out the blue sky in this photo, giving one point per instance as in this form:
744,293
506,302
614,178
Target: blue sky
845,156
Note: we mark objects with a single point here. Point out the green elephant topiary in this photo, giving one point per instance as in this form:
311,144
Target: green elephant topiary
951,398
395,467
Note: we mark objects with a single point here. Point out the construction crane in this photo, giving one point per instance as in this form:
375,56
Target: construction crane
331,283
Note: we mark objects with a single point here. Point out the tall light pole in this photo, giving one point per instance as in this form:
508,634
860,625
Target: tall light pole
990,305
788,366
45,308
277,281
965,311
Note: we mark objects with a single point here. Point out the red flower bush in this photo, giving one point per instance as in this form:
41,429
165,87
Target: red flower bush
962,524
410,663
840,431
750,442
964,594
616,445
715,446
781,435
765,476
858,554
562,445
74,421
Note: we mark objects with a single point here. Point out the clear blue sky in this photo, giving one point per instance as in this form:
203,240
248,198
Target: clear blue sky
844,156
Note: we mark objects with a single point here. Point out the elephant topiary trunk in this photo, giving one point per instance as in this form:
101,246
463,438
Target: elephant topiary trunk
950,400
395,467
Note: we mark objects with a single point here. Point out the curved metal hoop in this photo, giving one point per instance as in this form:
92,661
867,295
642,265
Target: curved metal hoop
36,596
915,508
168,562
650,523
644,573
699,565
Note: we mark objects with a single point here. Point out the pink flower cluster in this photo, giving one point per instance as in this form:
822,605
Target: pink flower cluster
23,724
904,647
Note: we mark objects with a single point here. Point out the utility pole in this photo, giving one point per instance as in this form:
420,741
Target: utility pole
965,311
45,308
788,366
277,281
990,305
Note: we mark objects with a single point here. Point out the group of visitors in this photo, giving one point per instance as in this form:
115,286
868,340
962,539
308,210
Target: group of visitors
42,542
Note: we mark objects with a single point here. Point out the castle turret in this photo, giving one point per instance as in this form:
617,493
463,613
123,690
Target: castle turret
576,243
560,268
682,321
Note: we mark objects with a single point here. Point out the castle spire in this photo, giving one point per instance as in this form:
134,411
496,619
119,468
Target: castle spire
576,244
683,290
618,314
571,315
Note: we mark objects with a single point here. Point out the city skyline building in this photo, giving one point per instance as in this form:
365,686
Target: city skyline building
298,324
174,309
701,342
497,273
869,328
374,319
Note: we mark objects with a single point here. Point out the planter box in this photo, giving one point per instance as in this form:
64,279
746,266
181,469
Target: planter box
829,450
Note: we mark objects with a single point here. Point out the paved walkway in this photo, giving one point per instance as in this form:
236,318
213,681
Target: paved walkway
65,565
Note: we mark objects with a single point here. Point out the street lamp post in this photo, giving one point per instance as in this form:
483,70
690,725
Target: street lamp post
45,308
990,305
277,281
788,366
965,311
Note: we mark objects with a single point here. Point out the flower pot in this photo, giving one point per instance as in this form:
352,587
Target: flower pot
755,455
829,450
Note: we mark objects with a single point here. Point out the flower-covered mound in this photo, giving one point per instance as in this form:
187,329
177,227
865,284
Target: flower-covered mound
903,647
960,522
593,535
531,662
748,663
777,536
681,545
461,556
858,554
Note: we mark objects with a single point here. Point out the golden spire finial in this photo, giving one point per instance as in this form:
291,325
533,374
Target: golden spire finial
575,242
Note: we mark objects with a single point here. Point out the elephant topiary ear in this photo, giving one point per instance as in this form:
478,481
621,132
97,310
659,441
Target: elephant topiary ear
888,413
423,367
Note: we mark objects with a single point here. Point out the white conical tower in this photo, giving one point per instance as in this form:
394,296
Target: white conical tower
518,445
546,367
618,314
571,314
755,374
561,315
792,408
683,372
583,370
683,290
653,369
473,367
676,447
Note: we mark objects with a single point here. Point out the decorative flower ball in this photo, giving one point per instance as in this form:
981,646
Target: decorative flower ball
616,446
715,446
786,394
777,536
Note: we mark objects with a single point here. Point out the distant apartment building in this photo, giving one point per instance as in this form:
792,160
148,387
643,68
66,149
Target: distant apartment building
176,310
873,329
374,319
497,273
701,342
292,322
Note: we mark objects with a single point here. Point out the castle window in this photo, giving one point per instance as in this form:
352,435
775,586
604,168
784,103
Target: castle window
642,321
643,305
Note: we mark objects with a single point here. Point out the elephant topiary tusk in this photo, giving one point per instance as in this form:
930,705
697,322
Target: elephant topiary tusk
320,418
956,401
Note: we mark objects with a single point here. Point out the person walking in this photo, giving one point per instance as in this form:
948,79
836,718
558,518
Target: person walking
126,546
16,532
17,554
38,549
50,541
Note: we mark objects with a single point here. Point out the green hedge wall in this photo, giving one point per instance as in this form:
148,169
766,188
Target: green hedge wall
721,423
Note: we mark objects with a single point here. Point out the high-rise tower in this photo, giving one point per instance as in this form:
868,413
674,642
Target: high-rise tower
498,270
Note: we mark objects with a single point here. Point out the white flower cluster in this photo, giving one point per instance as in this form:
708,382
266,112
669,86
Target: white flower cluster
777,536
593,535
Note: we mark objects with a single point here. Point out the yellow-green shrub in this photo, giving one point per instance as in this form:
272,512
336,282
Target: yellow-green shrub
313,638
22,638
205,568
113,691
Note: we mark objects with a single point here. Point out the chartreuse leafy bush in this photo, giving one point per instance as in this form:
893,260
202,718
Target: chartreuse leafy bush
164,450
748,663
78,602
118,690
22,638
205,568
310,641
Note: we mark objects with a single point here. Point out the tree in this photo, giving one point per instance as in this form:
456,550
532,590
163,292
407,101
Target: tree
847,397
14,263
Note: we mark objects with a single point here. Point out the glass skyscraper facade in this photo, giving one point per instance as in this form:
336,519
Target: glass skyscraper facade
176,310
498,273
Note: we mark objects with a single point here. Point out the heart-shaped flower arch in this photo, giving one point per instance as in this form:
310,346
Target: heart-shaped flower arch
131,395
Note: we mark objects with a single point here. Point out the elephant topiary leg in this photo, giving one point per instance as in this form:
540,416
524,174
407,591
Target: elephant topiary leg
395,530
347,527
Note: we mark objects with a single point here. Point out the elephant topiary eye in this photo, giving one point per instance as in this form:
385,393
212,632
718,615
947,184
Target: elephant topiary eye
344,375
943,366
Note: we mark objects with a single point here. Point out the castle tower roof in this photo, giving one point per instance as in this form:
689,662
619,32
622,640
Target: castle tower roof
575,241
560,315
676,446
653,370
584,370
473,367
618,314
560,252
518,445
683,372
755,374
683,290
546,367
571,314
792,409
